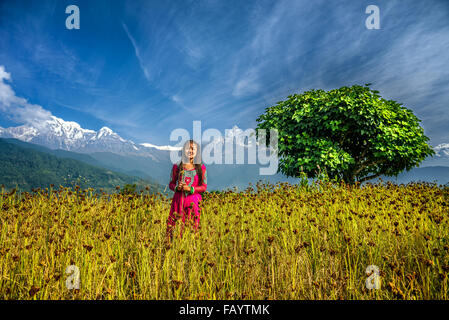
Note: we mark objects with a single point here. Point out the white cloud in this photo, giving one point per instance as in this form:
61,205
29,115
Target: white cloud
176,98
18,108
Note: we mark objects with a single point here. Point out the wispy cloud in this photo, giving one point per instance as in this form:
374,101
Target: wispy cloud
248,84
405,60
191,48
137,52
224,62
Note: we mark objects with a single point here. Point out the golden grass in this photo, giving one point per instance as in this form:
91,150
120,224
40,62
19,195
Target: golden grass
277,242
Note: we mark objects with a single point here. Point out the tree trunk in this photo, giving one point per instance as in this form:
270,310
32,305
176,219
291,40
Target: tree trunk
370,177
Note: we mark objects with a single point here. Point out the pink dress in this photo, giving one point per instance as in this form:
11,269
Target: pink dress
184,203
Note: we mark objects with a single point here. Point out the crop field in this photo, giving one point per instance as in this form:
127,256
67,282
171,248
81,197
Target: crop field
267,242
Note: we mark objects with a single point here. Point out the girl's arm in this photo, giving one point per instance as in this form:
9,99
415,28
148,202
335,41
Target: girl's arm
203,187
173,177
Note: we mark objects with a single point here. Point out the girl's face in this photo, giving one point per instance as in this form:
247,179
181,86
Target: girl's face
190,151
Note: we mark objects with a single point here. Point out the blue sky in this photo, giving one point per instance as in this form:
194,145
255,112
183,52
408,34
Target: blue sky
145,68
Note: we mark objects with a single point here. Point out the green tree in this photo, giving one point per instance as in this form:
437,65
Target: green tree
351,133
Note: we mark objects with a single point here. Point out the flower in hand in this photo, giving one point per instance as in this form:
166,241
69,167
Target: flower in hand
183,186
180,186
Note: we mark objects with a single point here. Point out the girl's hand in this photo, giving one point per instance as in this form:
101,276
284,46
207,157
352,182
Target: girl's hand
180,186
186,187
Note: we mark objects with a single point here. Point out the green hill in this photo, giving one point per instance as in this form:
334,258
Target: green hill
24,166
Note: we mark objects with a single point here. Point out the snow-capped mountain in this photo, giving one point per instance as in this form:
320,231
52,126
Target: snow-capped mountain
56,133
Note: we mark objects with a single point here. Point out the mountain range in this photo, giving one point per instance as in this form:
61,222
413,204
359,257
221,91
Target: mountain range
56,133
105,148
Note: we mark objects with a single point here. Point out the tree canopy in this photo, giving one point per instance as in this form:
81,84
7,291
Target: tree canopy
352,133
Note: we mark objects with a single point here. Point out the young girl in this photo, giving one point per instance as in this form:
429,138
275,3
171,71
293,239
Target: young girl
188,180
